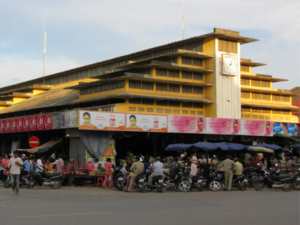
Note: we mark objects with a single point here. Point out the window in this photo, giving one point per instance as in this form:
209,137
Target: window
255,83
187,105
145,71
187,60
85,91
195,46
256,110
107,68
161,87
265,83
256,95
198,90
134,59
147,85
227,46
187,75
171,60
161,72
245,94
276,97
197,62
135,84
245,109
187,89
98,71
174,73
265,110
135,101
56,80
147,101
85,74
245,68
285,98
174,88
198,76
48,82
175,49
146,56
112,86
93,72
121,84
162,103
100,88
276,111
174,103
245,81
266,97
159,53
198,105
66,78
286,112
120,63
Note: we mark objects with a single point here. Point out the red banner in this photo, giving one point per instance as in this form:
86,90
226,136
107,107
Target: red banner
30,123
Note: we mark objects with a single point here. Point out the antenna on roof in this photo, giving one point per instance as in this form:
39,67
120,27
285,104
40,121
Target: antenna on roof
183,20
45,49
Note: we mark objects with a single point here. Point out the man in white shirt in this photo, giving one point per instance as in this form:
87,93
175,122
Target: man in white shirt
15,164
157,170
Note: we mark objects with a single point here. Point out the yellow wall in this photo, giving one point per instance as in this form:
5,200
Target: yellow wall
18,99
37,91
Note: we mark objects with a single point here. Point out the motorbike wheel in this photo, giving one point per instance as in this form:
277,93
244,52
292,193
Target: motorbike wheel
148,188
242,186
296,185
287,187
199,187
159,188
214,185
184,186
259,186
121,186
30,184
7,183
143,187
57,184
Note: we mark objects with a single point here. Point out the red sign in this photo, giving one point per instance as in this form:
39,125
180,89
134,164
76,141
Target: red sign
29,123
34,142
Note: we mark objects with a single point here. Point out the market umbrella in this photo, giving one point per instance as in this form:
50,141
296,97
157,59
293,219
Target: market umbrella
207,146
260,149
269,146
176,147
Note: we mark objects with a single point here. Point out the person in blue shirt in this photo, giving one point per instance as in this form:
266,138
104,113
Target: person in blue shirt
27,165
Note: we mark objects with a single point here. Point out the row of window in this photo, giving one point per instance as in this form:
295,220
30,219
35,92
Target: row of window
266,110
192,61
245,68
265,96
158,110
103,87
227,46
256,83
176,74
171,103
135,84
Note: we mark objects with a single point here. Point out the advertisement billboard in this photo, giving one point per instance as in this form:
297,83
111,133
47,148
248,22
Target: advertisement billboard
291,129
148,123
63,120
257,128
186,124
223,126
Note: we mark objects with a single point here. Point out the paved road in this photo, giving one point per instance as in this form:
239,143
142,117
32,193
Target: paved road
89,205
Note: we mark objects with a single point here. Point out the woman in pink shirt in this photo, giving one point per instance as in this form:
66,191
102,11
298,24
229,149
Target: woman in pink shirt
5,162
90,165
194,168
108,173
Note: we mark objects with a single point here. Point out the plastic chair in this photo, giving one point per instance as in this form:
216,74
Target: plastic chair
100,181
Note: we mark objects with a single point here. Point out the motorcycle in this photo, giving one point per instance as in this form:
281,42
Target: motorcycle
140,182
239,182
211,181
4,178
249,179
45,179
119,178
296,181
157,182
197,182
23,180
180,182
283,182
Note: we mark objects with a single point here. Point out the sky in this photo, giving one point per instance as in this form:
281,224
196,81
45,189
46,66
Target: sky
84,32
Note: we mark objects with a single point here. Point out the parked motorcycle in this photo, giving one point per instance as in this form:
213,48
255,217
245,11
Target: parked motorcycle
140,183
239,182
249,179
180,182
23,180
45,179
283,182
211,181
296,181
119,178
197,182
157,182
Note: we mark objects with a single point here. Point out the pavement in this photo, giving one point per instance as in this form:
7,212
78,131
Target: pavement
91,205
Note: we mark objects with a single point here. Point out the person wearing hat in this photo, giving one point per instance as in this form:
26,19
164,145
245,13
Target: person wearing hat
239,167
229,167
71,168
123,170
15,164
90,165
215,160
138,168
157,169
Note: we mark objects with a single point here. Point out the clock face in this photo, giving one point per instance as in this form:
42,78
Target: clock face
229,65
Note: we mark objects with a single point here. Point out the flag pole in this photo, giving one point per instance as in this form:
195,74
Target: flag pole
45,49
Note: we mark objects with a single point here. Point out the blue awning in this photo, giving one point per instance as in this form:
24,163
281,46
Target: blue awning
207,146
176,147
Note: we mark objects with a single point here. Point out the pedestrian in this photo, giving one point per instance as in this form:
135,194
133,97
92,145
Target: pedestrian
60,164
5,162
138,168
229,167
108,173
194,169
15,164
27,165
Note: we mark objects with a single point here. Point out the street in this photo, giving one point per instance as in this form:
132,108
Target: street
90,205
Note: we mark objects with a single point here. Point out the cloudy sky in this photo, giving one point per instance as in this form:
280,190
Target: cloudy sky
84,32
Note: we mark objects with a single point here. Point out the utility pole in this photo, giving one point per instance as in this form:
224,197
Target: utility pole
45,49
183,21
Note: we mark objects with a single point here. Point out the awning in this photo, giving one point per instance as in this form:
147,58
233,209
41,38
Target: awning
287,136
43,148
260,149
207,146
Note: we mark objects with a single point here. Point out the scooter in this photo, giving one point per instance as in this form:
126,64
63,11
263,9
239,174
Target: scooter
180,182
239,182
211,181
157,182
197,182
273,182
45,179
140,183
23,180
118,177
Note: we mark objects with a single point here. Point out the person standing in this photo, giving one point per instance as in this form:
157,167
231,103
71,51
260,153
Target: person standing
229,167
27,165
5,162
138,168
15,164
60,164
108,173
157,170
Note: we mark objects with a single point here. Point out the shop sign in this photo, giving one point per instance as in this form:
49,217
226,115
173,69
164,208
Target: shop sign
291,129
30,123
186,124
257,128
148,123
223,126
64,120
101,121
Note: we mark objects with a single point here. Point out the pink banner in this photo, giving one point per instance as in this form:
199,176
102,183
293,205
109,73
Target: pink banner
186,124
223,126
257,128
31,123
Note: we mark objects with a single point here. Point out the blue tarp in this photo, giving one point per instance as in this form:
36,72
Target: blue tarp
207,146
